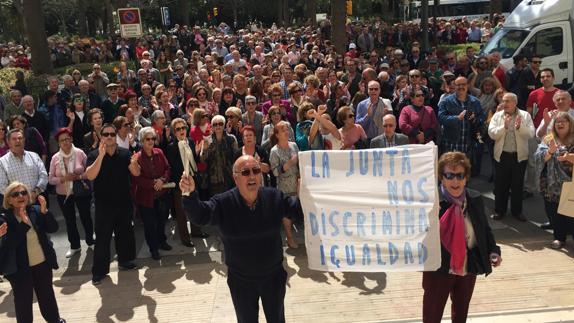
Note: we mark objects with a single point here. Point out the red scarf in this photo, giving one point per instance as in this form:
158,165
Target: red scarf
452,232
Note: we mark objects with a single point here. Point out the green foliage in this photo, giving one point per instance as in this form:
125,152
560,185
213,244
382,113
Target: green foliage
36,83
459,49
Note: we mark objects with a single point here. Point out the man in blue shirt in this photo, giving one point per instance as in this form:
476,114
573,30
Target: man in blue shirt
370,112
461,117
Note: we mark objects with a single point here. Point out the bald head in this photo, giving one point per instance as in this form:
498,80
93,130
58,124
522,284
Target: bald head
247,176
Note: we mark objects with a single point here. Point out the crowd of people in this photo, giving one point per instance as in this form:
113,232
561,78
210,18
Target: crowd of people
197,105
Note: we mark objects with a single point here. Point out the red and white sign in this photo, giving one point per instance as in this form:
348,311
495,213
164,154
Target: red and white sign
130,22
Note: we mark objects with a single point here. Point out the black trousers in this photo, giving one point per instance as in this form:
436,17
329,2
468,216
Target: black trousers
68,207
562,225
154,223
245,295
37,279
509,180
116,219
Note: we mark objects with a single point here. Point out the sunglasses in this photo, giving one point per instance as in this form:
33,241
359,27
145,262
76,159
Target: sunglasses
275,113
218,124
415,75
21,193
180,128
108,134
229,117
451,176
150,138
246,172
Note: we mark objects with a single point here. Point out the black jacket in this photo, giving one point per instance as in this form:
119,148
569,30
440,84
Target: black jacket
478,258
13,248
252,237
174,158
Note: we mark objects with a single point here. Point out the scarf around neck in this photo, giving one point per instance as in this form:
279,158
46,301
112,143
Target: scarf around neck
69,168
452,231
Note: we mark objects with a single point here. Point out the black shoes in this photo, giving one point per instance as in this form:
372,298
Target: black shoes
97,279
155,255
188,244
546,226
496,216
127,265
165,246
526,195
520,217
200,235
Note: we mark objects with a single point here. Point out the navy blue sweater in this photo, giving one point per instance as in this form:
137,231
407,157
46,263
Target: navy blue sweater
252,238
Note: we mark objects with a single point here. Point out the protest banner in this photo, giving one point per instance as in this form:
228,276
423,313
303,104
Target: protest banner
371,210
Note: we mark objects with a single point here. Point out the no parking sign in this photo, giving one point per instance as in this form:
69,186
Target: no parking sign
130,22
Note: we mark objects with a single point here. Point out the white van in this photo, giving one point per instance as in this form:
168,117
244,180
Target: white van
539,27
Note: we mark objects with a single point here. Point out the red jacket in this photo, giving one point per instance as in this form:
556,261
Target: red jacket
152,167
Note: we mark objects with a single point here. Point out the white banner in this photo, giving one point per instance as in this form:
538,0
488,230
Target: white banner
371,210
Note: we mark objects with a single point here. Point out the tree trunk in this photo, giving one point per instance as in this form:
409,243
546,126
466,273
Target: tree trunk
82,19
108,19
286,16
312,12
495,7
34,18
185,6
338,32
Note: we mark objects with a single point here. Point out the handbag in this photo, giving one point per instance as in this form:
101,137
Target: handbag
566,205
82,187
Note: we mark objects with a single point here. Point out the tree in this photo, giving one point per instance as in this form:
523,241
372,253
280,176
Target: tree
34,18
312,12
338,33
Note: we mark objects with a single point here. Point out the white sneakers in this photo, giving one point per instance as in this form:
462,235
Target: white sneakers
72,252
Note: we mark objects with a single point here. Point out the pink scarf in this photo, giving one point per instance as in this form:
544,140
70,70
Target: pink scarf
452,232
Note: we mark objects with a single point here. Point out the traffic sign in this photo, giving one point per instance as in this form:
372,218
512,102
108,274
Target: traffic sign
130,22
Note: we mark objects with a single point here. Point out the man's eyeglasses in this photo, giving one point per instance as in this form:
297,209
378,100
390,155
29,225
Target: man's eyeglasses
108,134
450,176
246,172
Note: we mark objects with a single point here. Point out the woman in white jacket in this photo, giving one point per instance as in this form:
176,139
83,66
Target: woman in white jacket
510,129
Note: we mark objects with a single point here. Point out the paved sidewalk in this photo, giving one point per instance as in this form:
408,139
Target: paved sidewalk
534,284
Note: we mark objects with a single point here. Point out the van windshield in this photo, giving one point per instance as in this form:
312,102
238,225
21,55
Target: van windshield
505,41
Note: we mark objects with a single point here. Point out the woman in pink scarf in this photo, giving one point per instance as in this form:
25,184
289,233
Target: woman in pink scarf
468,245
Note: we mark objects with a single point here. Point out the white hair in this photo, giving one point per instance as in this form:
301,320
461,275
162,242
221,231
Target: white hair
145,132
